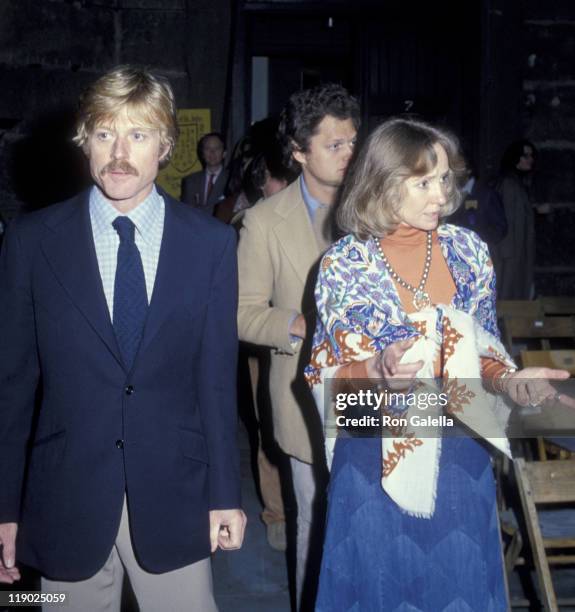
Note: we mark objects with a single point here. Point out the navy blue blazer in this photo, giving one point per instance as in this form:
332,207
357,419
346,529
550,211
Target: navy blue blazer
164,432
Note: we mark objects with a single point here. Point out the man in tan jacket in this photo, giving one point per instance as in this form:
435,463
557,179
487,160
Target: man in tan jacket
281,243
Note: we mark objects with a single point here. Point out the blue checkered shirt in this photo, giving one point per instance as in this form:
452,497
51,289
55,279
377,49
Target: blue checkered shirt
148,217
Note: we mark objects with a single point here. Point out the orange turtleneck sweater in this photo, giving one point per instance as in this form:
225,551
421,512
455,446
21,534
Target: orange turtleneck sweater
405,250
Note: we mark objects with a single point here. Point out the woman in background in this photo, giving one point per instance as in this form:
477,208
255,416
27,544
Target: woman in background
263,176
404,299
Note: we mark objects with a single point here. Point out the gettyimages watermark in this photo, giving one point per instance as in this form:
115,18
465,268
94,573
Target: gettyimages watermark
456,407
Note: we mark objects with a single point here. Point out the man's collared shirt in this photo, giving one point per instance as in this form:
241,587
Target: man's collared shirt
148,217
310,202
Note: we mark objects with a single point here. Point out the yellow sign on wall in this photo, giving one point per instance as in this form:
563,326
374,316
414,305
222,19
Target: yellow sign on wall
194,123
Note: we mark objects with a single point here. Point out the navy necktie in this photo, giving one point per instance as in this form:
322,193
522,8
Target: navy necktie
130,298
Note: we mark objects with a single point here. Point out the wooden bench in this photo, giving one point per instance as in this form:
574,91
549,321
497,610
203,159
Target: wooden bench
547,482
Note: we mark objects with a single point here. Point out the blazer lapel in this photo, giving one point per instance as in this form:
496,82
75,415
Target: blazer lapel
295,233
71,254
178,256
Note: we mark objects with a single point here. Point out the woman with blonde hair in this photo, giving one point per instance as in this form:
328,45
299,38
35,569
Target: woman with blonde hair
407,302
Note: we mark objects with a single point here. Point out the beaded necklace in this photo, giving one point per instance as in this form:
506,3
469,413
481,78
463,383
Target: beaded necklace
421,298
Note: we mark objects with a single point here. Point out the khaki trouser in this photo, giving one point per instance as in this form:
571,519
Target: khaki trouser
188,588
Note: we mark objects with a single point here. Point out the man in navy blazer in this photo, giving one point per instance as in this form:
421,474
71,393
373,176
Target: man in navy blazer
128,461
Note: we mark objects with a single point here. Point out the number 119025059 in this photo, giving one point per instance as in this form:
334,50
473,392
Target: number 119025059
30,598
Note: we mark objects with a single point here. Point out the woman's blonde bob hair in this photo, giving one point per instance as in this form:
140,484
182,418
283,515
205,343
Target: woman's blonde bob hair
148,98
397,150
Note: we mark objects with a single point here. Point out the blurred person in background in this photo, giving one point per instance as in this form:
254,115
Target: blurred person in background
514,256
264,176
204,189
481,210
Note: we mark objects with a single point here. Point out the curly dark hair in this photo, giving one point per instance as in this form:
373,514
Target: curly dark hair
305,110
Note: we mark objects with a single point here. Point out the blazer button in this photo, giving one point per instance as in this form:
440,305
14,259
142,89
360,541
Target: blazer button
129,390
120,444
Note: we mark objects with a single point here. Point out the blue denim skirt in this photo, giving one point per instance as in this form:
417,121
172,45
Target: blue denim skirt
376,557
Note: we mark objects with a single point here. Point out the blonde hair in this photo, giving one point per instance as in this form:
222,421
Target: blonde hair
148,97
397,150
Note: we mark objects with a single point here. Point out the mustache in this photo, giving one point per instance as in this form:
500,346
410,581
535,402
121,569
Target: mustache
120,165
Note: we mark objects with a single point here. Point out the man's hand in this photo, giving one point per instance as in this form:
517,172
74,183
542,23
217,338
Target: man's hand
385,365
298,327
8,571
227,529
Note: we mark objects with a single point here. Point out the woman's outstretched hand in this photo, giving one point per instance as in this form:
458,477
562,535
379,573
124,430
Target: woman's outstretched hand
386,365
532,386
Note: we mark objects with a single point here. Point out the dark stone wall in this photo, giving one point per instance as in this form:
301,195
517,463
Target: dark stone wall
500,81
51,49
548,119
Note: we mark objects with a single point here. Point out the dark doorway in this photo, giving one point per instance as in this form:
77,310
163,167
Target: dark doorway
425,61
397,57
300,49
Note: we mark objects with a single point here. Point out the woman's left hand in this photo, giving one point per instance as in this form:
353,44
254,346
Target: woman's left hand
532,387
